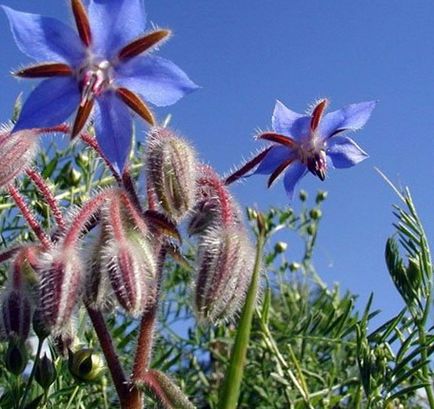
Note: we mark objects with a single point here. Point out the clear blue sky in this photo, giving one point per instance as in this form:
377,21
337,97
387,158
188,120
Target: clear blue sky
247,53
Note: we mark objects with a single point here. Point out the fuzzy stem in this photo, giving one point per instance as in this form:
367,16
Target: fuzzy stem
152,200
110,354
92,143
128,184
84,216
43,188
9,253
30,218
142,358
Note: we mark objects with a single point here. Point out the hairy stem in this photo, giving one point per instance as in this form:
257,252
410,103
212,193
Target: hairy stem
43,188
145,341
30,218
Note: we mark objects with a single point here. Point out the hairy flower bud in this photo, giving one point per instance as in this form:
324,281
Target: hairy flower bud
224,271
171,171
127,258
85,365
45,372
61,281
18,150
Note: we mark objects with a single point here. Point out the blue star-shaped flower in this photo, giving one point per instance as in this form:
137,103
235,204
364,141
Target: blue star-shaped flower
103,69
302,143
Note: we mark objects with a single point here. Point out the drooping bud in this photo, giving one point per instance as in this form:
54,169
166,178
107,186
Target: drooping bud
165,390
61,282
85,365
45,372
16,357
171,171
127,257
16,302
225,267
15,314
18,151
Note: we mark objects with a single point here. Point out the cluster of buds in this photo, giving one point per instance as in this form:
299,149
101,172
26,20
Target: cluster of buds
225,255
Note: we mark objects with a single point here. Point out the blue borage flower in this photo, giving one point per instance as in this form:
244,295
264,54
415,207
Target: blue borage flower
103,69
302,143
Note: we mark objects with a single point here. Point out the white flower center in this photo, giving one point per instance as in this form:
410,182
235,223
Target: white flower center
94,78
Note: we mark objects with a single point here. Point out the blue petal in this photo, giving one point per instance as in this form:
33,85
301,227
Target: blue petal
50,103
275,156
113,128
292,176
156,79
115,23
352,117
287,122
344,152
45,38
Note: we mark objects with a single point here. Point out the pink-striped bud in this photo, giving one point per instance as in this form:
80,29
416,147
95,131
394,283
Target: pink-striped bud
225,266
61,283
127,256
17,152
171,170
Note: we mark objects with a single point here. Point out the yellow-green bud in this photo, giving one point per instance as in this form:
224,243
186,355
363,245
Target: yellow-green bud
85,366
315,214
280,247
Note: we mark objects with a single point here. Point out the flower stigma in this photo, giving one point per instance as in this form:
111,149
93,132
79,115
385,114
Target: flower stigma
94,79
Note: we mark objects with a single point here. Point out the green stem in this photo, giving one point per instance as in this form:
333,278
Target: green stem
71,399
234,375
32,374
424,358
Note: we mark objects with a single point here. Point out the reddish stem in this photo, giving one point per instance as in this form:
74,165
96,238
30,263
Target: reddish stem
89,209
9,253
145,341
90,141
30,218
43,188
128,184
152,199
110,354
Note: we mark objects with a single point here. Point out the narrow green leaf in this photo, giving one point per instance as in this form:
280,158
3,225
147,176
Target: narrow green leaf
231,387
